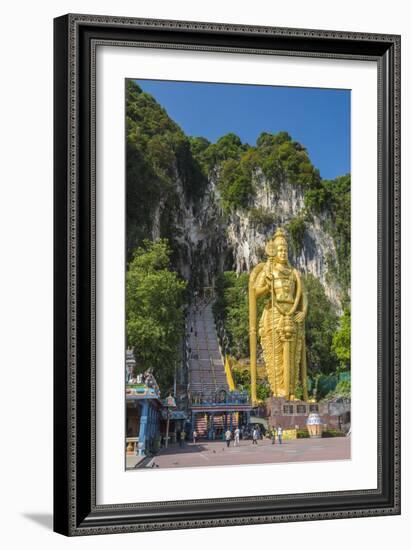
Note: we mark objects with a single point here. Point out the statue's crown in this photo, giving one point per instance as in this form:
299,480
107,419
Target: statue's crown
279,235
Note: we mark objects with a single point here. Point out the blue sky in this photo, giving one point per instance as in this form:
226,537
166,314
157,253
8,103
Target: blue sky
318,118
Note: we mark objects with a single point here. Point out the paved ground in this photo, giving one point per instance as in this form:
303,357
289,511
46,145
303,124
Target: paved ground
215,453
131,461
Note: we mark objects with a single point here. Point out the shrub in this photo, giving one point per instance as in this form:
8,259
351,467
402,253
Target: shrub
333,433
296,229
261,216
235,185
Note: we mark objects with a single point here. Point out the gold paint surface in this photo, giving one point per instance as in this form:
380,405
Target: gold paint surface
281,328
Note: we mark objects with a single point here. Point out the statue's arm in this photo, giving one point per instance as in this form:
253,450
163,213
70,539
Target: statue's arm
260,291
260,282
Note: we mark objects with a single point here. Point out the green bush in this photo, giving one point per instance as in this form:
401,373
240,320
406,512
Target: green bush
302,434
342,348
231,309
296,229
320,325
333,433
342,389
235,185
261,216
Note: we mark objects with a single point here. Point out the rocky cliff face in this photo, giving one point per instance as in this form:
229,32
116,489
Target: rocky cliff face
246,237
218,203
208,241
196,230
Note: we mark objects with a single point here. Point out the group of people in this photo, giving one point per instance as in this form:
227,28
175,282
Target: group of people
276,432
239,433
247,431
255,435
228,436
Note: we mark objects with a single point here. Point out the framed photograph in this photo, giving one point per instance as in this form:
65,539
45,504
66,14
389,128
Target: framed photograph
227,275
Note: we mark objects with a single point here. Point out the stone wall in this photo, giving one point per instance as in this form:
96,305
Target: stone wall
290,414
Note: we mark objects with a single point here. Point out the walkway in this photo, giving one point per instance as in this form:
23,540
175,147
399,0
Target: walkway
215,453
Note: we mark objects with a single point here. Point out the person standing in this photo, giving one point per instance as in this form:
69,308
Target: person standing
273,436
236,436
228,437
255,436
280,435
194,437
182,438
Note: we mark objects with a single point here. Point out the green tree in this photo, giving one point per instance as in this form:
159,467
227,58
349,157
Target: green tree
283,159
268,140
154,311
204,153
231,307
241,378
236,183
320,324
229,147
242,381
296,229
341,344
158,155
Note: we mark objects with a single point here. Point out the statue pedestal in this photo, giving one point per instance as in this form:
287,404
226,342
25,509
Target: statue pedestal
292,415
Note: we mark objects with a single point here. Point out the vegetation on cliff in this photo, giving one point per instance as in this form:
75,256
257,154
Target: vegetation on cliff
165,167
240,167
158,155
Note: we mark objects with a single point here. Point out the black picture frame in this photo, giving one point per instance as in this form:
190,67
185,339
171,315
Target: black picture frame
75,40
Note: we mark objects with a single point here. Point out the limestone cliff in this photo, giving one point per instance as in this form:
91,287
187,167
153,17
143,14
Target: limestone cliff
218,203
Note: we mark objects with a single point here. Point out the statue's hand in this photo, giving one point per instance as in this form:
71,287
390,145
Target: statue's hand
299,317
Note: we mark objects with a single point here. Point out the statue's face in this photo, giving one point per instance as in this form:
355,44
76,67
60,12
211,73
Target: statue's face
270,249
282,253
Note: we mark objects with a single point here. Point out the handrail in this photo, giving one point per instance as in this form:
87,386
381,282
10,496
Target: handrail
229,374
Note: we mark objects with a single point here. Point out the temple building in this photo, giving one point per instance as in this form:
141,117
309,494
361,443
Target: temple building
143,415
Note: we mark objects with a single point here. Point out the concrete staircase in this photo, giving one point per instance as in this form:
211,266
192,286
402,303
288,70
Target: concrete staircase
218,423
206,372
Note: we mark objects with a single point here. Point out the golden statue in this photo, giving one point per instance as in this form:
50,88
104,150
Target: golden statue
281,327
